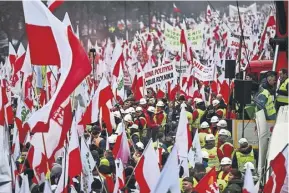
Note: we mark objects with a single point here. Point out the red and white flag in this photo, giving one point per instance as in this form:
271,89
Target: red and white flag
208,14
121,148
74,160
100,105
12,55
65,51
147,171
53,4
208,183
278,181
169,178
117,73
176,9
249,186
119,176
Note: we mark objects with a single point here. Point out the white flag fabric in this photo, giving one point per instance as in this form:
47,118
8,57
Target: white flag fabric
248,182
169,178
47,187
25,185
195,153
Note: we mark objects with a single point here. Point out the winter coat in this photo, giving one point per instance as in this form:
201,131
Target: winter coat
234,186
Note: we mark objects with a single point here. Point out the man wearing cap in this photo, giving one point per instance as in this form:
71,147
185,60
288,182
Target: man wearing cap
160,116
143,105
226,148
152,126
203,132
134,133
219,111
282,91
140,121
198,113
212,151
214,120
244,154
265,97
223,176
222,124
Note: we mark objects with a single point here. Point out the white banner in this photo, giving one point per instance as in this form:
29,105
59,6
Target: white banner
159,75
183,66
201,72
234,41
173,34
233,10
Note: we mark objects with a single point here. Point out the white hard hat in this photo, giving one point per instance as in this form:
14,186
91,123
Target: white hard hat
198,100
138,109
112,138
140,145
143,101
210,137
151,109
226,161
216,102
134,126
160,104
127,118
117,114
222,123
214,119
249,165
225,132
205,125
242,141
205,154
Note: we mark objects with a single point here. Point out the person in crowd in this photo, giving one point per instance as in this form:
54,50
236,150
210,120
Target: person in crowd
212,151
203,132
143,105
134,133
264,98
244,154
219,110
205,156
222,102
223,175
160,116
226,148
189,104
188,185
222,124
141,122
198,113
214,120
235,183
153,127
282,91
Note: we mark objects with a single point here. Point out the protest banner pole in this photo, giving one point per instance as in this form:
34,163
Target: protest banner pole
180,73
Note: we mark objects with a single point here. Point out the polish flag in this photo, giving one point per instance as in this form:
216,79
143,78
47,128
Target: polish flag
208,14
12,55
64,51
74,160
249,186
121,148
51,81
138,85
169,177
100,105
119,176
19,61
176,9
147,171
53,4
6,94
208,183
278,181
161,93
117,73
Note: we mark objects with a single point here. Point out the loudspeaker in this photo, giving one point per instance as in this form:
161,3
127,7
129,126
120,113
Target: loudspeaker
242,91
230,66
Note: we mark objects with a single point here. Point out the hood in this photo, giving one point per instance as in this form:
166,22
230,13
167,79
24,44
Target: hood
246,150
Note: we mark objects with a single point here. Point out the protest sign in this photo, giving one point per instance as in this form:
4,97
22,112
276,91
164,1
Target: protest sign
234,41
172,37
195,37
201,72
183,66
233,10
160,74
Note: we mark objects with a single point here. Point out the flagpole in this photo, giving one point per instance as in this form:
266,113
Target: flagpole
180,73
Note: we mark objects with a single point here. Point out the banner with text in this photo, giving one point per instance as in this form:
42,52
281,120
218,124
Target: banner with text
202,72
173,34
234,41
233,10
156,76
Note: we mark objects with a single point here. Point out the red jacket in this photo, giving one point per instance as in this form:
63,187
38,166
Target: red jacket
225,151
